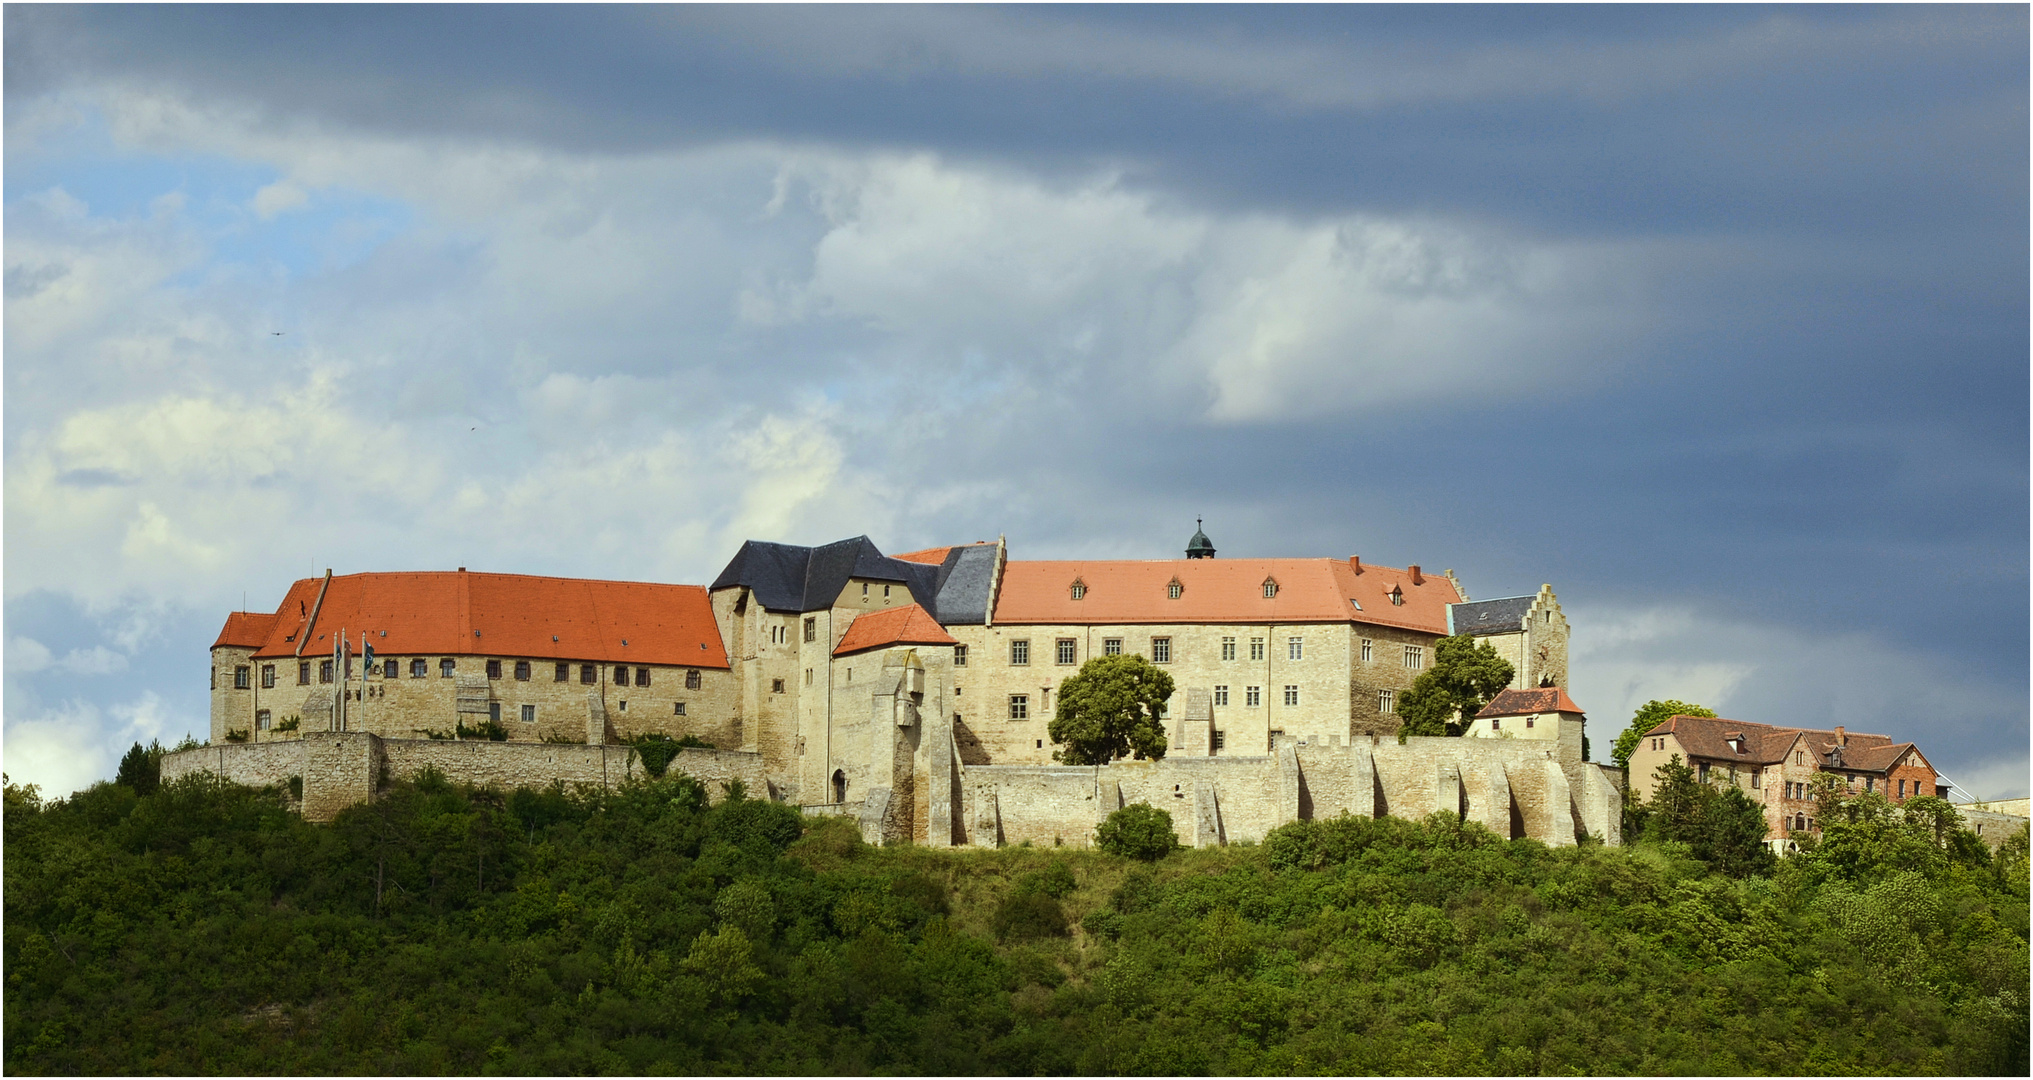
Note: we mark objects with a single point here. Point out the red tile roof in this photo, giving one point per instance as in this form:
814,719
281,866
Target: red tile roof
907,625
1522,702
246,629
1765,744
934,556
506,615
1221,591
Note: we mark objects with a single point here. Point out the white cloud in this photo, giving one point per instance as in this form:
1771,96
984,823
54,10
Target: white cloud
78,743
27,655
277,198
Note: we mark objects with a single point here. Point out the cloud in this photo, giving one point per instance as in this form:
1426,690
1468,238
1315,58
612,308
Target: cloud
1623,657
276,198
78,743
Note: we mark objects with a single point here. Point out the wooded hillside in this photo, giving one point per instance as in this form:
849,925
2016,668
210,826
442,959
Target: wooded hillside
202,928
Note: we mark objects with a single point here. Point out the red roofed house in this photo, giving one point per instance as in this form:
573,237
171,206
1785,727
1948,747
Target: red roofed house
1776,765
544,657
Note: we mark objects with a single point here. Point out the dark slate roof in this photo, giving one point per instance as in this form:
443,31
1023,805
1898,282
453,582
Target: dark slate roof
1503,616
786,577
963,585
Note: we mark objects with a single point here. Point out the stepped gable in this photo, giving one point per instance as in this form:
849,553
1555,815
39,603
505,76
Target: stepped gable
246,629
793,579
907,625
1222,591
458,613
1530,702
1501,616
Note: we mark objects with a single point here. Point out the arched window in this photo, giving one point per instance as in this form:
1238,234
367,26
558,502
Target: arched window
839,786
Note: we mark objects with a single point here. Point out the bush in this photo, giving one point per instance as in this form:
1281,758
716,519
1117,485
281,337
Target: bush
1137,831
1025,916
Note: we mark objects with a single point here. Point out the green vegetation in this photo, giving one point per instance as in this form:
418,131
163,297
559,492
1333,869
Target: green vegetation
1137,831
1650,715
656,751
1111,709
1446,696
200,927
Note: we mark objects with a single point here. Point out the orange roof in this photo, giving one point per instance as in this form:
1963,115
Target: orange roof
246,629
508,615
1221,591
934,555
907,625
1537,700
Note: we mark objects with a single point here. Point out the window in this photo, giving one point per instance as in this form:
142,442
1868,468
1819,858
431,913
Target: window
268,676
1020,652
864,588
1221,695
1870,783
692,679
811,628
446,667
808,676
1902,785
242,678
1111,646
261,717
1270,589
1256,648
1415,656
1291,694
1173,590
563,673
776,686
1530,721
419,668
1368,650
885,592
779,634
1220,740
1067,651
678,709
1295,648
588,674
1701,771
1496,723
303,672
212,679
1228,648
529,714
959,656
390,669
621,674
1079,590
1757,778
1161,650
1387,702
1019,706
493,669
1253,696
642,676
522,671
1396,596
494,712
324,671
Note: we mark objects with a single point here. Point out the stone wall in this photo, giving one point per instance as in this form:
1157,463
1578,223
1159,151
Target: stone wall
1515,788
341,769
1990,826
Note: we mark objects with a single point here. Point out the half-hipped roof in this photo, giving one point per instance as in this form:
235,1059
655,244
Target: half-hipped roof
505,615
1222,591
907,625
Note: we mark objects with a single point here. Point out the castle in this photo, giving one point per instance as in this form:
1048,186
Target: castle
912,692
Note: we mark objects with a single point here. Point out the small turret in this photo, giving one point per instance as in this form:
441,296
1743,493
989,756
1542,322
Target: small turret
1199,547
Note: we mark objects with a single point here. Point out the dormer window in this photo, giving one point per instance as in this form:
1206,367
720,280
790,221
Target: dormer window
1270,588
1173,590
1079,589
1396,596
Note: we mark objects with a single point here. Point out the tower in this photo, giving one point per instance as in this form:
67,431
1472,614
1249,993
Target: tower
1199,547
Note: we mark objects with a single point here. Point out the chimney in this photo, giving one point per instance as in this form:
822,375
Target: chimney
1840,738
1355,563
1417,578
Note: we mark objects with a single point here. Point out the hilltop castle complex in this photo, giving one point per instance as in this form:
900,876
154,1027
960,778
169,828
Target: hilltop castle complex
913,691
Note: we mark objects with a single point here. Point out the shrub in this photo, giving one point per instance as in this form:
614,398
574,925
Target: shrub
1025,916
1137,831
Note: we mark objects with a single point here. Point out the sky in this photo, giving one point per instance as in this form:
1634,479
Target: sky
1715,318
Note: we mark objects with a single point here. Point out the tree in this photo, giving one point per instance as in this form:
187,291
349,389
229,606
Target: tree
1649,716
1111,710
1720,825
1137,831
1444,697
141,768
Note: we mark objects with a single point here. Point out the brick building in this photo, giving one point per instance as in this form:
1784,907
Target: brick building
1775,766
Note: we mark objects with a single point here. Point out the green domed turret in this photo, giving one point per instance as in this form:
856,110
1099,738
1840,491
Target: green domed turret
1199,547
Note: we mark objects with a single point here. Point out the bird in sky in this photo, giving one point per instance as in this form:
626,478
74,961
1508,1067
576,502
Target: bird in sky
277,333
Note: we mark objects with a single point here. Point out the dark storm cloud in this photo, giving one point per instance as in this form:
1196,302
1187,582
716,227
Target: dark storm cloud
1820,424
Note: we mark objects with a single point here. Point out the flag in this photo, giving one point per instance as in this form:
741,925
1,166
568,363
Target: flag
366,657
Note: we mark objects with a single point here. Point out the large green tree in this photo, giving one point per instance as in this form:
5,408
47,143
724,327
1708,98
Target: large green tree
1446,696
1111,710
1720,825
1649,716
